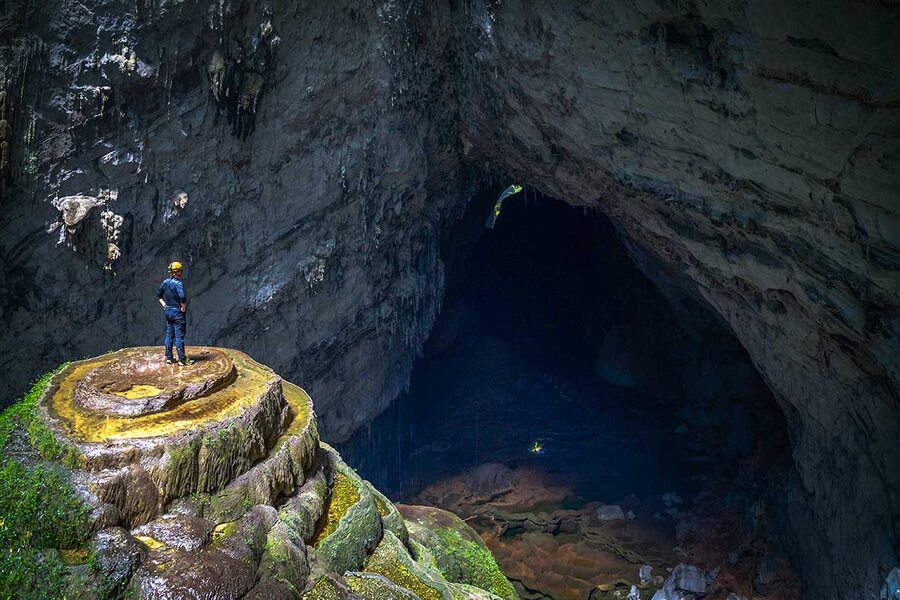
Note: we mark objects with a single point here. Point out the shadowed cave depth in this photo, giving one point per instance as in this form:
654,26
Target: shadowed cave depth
583,423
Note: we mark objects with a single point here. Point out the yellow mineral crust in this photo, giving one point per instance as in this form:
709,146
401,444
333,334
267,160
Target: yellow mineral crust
301,408
344,494
82,424
150,542
138,391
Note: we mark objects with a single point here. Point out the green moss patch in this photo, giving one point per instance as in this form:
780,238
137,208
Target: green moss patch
377,587
390,516
392,561
38,507
344,494
350,527
24,416
460,554
324,589
382,506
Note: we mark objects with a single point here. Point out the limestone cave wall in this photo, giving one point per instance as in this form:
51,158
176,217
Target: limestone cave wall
279,150
749,152
303,160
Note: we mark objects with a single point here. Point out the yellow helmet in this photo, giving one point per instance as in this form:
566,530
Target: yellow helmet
175,266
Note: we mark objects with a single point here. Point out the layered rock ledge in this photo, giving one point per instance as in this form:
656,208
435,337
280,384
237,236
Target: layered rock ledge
210,481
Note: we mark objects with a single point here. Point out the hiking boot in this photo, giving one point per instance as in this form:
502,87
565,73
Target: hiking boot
185,362
170,361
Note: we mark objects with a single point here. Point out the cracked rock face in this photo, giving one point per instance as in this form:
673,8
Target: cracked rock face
304,160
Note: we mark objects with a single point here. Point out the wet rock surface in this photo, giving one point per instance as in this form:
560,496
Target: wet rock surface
229,494
308,158
457,550
140,383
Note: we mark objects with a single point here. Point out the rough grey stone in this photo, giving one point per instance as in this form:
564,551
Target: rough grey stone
891,588
683,579
610,512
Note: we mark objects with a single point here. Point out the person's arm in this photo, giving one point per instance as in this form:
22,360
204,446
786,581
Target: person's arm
159,296
182,297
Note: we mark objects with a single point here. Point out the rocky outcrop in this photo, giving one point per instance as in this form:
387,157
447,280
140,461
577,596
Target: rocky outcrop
225,493
458,552
303,160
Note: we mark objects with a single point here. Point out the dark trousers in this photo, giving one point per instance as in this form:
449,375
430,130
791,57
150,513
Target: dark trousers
175,328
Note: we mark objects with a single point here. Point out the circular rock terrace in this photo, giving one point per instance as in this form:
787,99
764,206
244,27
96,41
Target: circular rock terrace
209,481
148,432
138,382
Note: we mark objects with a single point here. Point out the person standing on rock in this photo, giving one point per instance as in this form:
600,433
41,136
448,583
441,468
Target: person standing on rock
174,302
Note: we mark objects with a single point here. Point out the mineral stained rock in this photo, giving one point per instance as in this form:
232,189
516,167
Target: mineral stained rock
747,152
208,481
460,554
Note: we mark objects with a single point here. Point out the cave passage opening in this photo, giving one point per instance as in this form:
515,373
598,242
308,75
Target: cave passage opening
559,378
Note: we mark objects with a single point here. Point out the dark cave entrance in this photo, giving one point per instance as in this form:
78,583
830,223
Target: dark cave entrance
557,370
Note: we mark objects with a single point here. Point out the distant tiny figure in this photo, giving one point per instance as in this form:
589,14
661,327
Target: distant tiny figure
174,302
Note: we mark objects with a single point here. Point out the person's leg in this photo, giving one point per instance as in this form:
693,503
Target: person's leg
179,336
170,337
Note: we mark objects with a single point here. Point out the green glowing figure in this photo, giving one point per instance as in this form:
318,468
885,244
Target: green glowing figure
492,218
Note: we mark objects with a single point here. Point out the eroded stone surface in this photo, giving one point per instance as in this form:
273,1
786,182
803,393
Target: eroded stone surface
459,553
227,493
231,413
350,527
86,425
139,382
392,561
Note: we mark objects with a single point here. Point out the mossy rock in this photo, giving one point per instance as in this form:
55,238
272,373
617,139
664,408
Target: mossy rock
376,587
390,516
284,558
272,589
327,587
302,511
464,591
138,463
40,509
225,568
351,527
285,565
279,473
392,560
460,554
423,555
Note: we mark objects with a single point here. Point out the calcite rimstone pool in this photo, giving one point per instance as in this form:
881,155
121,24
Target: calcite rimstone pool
133,393
138,381
210,481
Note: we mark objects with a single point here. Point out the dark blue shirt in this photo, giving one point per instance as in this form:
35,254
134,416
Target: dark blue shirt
172,291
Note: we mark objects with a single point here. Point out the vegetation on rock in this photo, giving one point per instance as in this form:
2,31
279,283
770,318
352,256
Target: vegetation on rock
39,510
344,494
392,561
62,479
460,555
